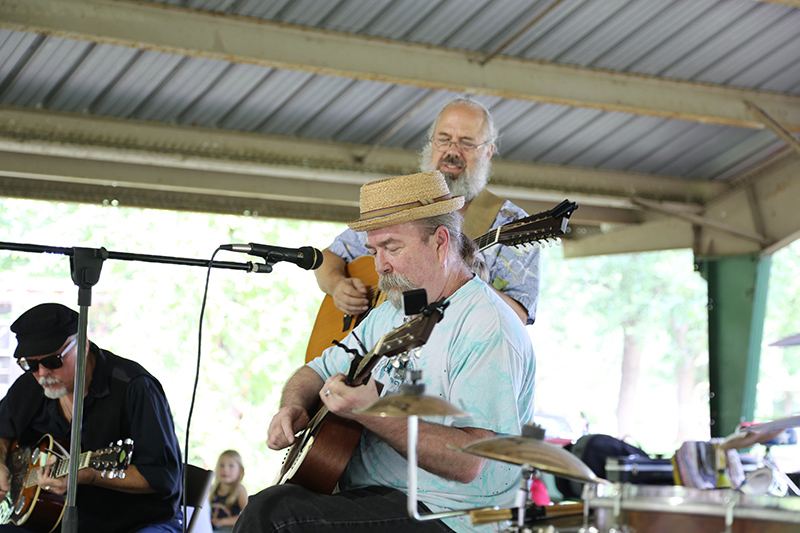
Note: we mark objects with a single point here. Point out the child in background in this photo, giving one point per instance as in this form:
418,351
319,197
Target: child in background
228,496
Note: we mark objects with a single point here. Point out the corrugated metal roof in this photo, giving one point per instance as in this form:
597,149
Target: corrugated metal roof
730,43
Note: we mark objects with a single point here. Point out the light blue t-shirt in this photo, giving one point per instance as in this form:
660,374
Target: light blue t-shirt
513,271
480,359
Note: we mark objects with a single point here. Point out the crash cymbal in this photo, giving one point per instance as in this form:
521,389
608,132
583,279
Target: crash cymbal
792,340
403,405
758,433
534,452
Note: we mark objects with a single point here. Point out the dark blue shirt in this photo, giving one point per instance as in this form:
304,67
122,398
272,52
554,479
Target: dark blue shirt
123,401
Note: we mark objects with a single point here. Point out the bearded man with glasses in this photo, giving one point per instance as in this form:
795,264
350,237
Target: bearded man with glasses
461,142
122,401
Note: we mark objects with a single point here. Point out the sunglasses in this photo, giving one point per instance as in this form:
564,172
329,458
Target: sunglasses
51,362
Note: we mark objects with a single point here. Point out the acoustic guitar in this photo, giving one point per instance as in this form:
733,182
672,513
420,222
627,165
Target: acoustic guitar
40,510
321,451
333,325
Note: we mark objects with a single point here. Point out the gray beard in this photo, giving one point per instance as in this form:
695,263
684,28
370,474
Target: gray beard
471,182
393,286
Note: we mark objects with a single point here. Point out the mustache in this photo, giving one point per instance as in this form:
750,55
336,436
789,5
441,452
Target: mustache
389,282
48,380
454,159
393,286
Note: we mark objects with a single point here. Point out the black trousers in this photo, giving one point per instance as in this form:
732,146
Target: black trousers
294,509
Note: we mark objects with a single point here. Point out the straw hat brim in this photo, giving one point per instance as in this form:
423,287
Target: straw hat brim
414,213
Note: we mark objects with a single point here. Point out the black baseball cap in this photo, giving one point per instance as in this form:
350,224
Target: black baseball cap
42,330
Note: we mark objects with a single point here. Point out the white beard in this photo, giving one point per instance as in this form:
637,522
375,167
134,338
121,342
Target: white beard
471,182
53,394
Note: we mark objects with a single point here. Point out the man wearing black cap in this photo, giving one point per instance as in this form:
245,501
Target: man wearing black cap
121,400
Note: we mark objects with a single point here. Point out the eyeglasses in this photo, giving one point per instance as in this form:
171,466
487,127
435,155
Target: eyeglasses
51,362
463,146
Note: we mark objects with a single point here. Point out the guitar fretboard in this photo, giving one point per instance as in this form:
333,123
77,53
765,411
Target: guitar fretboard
60,468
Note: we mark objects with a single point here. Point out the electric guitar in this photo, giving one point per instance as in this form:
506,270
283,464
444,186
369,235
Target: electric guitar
38,509
321,451
333,325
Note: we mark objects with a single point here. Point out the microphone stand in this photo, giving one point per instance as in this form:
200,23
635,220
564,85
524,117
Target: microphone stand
85,266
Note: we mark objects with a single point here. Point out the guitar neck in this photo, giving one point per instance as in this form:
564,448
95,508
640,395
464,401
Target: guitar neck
62,468
541,226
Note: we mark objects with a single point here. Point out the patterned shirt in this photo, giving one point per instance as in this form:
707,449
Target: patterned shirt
480,359
513,271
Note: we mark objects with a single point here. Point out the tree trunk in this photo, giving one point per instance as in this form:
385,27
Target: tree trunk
629,381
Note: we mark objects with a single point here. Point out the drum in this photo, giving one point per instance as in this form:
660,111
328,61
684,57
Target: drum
670,509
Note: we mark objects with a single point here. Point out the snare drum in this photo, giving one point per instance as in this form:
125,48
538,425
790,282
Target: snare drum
670,509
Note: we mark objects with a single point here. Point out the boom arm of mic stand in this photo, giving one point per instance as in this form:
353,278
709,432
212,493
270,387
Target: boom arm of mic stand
124,256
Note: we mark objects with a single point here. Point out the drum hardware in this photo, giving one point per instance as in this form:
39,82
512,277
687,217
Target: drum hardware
411,403
529,451
668,509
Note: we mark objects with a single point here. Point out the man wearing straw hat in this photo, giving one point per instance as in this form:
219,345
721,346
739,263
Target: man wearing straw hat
460,145
478,357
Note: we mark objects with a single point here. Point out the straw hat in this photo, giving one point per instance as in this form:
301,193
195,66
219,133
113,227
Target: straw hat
401,199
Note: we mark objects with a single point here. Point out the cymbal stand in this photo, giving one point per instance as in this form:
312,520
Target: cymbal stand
413,510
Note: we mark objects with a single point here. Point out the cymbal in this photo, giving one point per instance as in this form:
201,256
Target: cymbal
404,405
411,401
758,433
792,340
535,453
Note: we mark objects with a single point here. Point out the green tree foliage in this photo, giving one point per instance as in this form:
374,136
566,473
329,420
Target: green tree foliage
625,326
779,380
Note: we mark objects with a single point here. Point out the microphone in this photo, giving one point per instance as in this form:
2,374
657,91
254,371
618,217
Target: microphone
305,257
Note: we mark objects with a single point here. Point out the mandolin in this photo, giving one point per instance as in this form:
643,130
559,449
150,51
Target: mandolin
333,325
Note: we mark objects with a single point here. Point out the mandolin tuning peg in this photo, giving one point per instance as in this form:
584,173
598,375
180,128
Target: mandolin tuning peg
121,474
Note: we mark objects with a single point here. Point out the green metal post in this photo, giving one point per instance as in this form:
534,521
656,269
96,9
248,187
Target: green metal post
737,297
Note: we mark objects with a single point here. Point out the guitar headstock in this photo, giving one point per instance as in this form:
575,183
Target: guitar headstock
540,227
410,335
114,459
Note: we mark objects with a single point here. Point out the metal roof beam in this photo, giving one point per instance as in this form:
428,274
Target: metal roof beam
249,163
182,31
758,217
